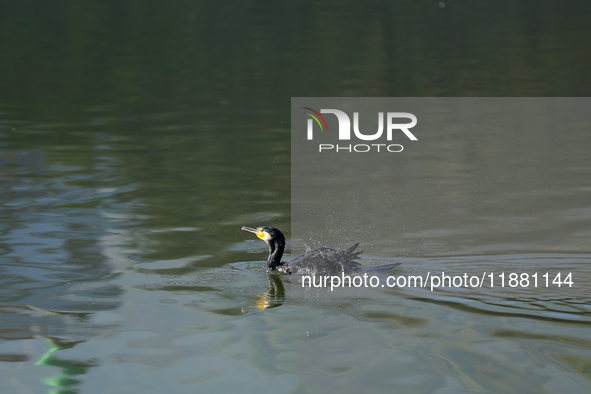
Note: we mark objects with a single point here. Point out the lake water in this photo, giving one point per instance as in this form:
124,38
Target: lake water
136,140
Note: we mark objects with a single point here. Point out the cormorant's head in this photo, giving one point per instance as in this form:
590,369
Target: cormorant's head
267,234
274,238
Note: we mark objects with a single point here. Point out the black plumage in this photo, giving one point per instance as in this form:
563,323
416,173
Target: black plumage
319,261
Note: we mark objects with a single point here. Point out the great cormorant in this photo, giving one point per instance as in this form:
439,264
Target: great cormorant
314,262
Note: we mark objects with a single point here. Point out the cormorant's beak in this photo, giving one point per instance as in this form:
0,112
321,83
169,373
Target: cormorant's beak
254,230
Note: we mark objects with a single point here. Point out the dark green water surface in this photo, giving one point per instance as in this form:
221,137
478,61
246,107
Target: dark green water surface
136,138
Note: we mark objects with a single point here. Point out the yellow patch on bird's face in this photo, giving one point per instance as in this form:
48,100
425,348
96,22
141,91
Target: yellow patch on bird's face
260,233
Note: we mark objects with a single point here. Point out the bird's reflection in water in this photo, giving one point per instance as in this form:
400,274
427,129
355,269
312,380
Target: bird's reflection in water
275,296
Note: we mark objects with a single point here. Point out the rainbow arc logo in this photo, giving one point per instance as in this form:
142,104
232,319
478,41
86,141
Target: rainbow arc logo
315,116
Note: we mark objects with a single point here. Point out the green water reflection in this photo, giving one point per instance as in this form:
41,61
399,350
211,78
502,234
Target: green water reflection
64,382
